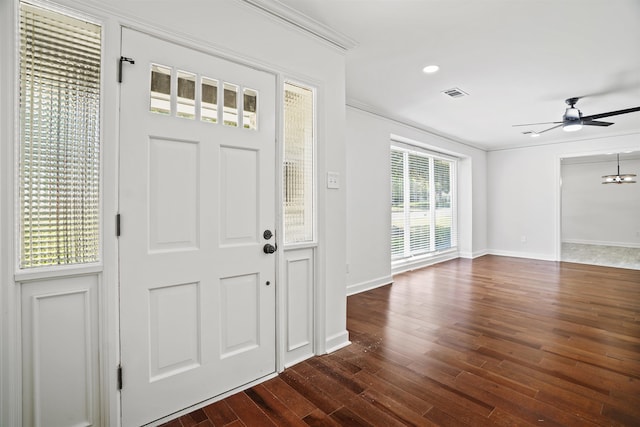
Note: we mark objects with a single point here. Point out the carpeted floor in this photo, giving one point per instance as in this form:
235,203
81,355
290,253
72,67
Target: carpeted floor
611,256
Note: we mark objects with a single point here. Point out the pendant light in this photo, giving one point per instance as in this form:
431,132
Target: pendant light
627,178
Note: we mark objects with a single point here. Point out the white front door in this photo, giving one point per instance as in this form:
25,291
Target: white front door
197,191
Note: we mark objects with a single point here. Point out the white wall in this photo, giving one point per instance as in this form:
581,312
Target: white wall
368,195
524,194
593,213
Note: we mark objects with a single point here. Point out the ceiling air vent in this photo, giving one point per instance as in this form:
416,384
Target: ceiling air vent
455,92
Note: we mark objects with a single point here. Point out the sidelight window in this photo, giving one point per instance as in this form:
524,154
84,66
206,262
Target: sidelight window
298,168
59,148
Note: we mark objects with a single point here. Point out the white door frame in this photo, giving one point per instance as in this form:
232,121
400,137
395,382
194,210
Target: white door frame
558,188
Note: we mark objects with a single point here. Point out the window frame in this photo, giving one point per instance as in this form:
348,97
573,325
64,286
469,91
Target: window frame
408,256
314,166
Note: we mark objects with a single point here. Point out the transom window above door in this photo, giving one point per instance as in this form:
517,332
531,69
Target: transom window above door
181,93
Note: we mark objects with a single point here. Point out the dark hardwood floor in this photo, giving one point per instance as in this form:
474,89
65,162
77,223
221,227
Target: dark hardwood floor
493,341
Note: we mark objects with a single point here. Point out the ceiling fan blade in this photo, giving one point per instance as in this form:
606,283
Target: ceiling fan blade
534,124
611,113
595,123
551,128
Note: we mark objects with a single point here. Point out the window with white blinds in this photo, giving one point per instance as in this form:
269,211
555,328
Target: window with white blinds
422,204
59,166
298,168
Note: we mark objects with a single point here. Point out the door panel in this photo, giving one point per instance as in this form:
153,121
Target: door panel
174,330
239,310
197,188
239,215
173,194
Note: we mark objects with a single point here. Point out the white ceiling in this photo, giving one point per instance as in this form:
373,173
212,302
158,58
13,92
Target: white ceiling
517,59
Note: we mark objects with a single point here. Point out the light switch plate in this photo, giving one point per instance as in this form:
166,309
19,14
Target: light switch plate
333,180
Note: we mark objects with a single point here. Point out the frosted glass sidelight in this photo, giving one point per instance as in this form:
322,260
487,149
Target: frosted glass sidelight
299,139
59,166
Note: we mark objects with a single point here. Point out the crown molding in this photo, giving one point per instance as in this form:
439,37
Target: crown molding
303,22
369,109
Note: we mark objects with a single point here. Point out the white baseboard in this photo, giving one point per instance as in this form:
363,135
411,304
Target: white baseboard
473,255
530,255
337,341
634,245
368,285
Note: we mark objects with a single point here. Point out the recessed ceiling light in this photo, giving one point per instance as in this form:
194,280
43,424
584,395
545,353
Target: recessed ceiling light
430,69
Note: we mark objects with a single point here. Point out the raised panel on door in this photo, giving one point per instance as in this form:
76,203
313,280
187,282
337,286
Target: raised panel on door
239,314
239,196
173,194
174,330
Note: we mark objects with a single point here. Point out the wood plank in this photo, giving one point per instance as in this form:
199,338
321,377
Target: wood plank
279,413
248,412
290,397
220,413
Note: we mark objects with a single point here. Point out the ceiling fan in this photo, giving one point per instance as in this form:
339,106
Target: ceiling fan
573,120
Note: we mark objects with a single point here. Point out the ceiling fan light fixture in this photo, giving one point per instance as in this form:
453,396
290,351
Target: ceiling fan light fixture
572,113
572,125
625,178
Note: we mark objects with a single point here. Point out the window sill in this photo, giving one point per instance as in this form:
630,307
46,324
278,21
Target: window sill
413,263
304,245
52,272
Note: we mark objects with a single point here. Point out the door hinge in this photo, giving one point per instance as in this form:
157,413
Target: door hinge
117,225
123,59
119,375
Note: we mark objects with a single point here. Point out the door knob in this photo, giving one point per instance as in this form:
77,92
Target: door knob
269,248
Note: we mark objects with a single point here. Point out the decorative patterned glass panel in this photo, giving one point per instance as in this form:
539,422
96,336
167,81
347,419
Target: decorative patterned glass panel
298,164
186,95
209,106
230,112
59,166
250,109
160,89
